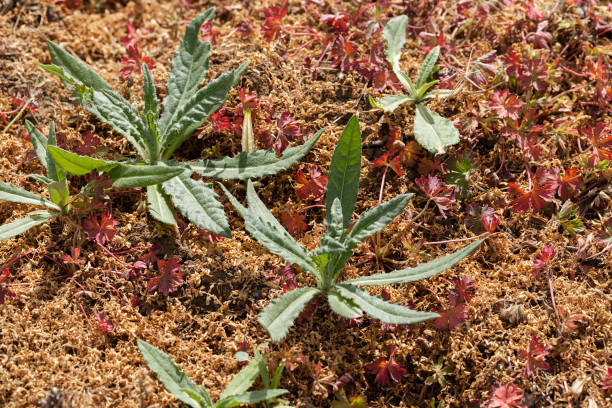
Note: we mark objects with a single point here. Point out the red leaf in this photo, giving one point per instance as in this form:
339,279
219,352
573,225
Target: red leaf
5,292
536,357
506,396
314,187
607,383
104,322
384,161
169,279
542,192
386,369
293,221
451,317
432,187
101,231
462,291
506,105
220,121
542,259
601,140
272,27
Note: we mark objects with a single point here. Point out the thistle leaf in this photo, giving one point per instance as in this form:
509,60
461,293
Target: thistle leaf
433,131
21,225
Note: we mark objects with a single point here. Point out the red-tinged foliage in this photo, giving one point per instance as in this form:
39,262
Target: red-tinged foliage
100,230
599,72
607,383
5,281
512,62
89,143
386,370
313,187
534,74
601,141
489,222
169,279
432,187
220,121
571,321
286,278
73,258
506,396
535,356
384,161
131,37
541,259
427,166
343,53
209,236
209,33
542,192
568,183
451,317
134,61
462,290
71,4
288,130
272,26
293,221
505,104
481,218
104,322
540,38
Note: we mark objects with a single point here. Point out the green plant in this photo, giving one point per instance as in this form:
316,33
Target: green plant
156,136
336,247
179,385
431,130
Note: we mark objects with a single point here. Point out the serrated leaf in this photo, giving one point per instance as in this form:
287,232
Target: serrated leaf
420,93
39,141
41,179
343,306
344,171
378,218
9,192
188,70
158,205
131,175
150,113
198,202
254,397
419,272
78,165
243,380
395,37
262,225
173,378
432,131
428,66
150,95
379,309
281,313
334,223
391,102
76,69
21,225
253,165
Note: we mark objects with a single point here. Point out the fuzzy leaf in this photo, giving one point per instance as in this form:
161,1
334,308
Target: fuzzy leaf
244,379
253,165
21,225
419,272
392,102
131,175
76,69
427,68
198,202
379,309
76,164
254,397
159,208
9,192
395,37
378,218
173,378
343,306
281,313
39,141
344,172
432,131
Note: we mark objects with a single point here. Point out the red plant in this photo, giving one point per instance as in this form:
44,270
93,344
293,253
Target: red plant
384,161
535,356
386,370
134,61
607,383
452,316
169,279
209,33
505,104
89,143
568,183
541,259
100,231
506,396
272,27
601,140
543,191
288,129
315,187
5,281
104,322
481,218
462,290
220,121
293,221
432,187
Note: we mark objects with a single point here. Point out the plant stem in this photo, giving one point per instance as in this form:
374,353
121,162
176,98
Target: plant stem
23,108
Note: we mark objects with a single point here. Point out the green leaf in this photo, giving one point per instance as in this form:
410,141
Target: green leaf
379,309
254,397
392,102
419,272
378,218
427,68
423,89
243,380
150,95
54,171
78,165
334,223
58,193
159,208
39,141
41,179
173,378
344,172
21,225
395,37
198,202
9,192
189,69
239,71
76,69
150,114
194,111
281,313
343,306
432,131
269,232
131,175
253,165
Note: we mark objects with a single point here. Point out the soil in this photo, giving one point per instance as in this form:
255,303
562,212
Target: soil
46,343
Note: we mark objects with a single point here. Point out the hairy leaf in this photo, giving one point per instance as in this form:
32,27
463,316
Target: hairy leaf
427,68
131,175
9,192
21,225
77,164
392,102
244,379
395,37
254,397
158,205
378,218
76,69
432,131
343,306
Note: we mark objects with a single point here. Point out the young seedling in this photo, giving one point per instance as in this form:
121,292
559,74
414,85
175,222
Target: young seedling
179,385
327,261
156,135
434,132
